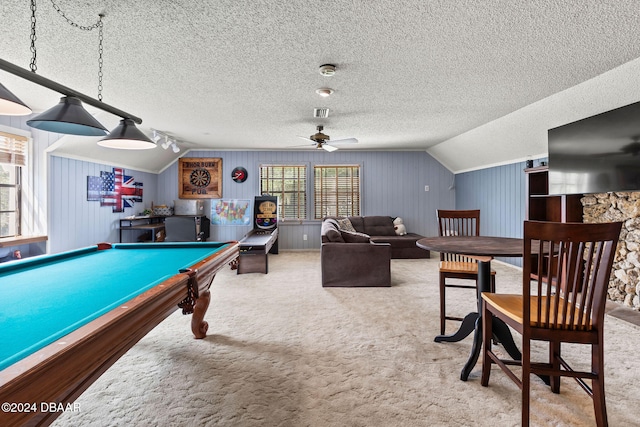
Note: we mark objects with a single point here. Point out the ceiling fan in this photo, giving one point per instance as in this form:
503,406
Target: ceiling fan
321,141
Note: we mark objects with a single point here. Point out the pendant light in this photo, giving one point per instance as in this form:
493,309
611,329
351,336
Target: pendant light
126,136
11,105
68,117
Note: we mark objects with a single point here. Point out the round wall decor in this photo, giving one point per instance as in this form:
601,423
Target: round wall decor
239,174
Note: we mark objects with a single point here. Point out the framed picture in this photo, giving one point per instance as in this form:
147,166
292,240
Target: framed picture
200,178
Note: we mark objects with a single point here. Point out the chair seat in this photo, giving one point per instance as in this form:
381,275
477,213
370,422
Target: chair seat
460,267
511,306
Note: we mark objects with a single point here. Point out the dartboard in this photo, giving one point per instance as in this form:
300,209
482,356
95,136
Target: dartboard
200,178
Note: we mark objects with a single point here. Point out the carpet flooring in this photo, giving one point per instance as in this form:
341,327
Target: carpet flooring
283,351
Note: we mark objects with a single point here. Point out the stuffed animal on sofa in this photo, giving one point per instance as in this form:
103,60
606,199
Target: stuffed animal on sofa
401,230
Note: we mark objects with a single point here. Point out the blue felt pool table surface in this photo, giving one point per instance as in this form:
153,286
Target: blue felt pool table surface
44,298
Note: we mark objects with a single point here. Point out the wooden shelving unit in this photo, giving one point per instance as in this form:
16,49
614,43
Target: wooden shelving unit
542,206
154,224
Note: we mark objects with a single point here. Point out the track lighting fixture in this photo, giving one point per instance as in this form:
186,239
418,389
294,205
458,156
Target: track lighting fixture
169,141
156,136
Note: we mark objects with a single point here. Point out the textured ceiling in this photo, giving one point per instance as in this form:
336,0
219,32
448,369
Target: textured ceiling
232,74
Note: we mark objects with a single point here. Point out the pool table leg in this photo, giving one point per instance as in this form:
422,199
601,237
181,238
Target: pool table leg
199,326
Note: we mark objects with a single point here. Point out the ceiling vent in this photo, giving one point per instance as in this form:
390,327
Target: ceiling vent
321,113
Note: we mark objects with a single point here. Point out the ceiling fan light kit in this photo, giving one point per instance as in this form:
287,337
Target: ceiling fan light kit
321,140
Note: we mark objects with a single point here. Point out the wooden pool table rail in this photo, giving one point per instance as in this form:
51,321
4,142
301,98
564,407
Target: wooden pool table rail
63,370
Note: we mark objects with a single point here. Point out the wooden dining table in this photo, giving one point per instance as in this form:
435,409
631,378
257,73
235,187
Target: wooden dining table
483,249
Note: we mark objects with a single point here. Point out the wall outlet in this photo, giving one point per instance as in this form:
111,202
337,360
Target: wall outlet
304,237
426,188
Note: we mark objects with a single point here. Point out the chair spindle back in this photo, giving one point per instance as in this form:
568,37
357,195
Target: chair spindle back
573,273
458,223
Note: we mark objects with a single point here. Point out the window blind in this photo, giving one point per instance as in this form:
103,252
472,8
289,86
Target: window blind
13,149
289,184
336,191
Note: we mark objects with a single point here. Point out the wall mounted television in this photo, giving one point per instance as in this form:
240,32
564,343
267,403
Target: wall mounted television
597,154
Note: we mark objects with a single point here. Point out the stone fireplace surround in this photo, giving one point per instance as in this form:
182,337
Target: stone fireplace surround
624,286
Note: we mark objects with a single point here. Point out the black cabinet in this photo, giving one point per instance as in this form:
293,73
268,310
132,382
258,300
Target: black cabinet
187,228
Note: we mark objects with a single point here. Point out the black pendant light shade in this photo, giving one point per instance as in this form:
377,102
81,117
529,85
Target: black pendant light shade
68,117
126,136
11,105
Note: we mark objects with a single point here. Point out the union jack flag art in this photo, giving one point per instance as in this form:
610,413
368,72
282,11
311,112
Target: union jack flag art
114,189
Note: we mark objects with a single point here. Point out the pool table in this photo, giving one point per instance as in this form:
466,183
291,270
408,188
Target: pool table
66,318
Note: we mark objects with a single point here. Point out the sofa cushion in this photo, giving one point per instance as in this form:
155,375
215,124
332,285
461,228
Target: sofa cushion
378,225
354,237
334,236
406,241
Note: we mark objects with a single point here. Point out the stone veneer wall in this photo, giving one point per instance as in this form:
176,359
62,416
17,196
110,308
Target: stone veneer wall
624,286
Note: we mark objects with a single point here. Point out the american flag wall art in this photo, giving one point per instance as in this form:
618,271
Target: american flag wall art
114,189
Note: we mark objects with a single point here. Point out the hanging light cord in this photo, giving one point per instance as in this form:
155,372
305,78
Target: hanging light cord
97,25
32,65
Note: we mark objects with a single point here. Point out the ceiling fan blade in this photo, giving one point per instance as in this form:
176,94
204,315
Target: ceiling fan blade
344,141
306,138
329,148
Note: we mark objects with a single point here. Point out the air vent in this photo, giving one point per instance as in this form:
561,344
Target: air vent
321,113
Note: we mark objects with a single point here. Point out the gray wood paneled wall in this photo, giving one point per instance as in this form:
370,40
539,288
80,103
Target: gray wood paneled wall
499,193
392,183
76,222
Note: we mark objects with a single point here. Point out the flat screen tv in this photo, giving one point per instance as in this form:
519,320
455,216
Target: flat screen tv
598,154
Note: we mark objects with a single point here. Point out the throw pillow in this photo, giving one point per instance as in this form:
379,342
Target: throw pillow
354,237
345,225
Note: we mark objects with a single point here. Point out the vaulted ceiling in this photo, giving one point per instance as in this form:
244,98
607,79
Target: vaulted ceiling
242,75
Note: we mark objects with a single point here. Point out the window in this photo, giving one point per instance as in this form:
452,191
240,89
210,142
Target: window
12,159
289,184
337,191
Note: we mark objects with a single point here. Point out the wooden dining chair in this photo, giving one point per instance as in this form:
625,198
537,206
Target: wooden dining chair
566,307
455,266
